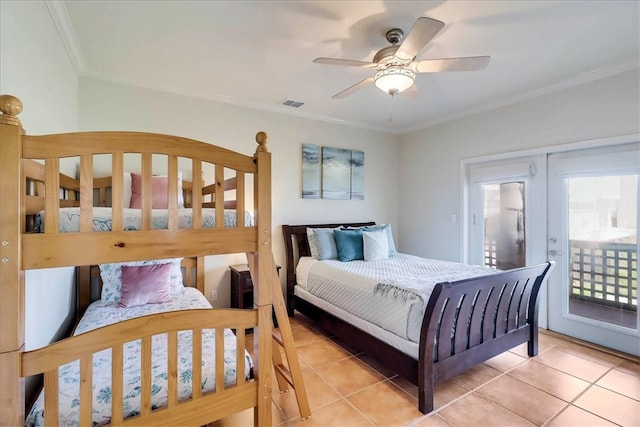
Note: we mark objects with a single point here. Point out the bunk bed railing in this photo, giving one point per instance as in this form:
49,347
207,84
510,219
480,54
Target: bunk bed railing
82,347
48,190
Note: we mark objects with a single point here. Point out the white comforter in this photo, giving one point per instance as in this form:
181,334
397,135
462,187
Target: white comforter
392,293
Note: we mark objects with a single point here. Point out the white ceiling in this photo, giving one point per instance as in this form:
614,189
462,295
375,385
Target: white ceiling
258,53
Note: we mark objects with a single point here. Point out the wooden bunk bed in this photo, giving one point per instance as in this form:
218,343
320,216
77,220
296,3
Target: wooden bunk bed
465,322
29,189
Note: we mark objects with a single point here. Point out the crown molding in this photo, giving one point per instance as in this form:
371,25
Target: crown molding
580,79
60,16
227,99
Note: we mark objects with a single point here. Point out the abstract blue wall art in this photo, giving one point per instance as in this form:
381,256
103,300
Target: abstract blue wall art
332,173
310,171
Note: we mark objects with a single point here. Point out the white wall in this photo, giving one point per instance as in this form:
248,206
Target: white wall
430,158
111,106
35,67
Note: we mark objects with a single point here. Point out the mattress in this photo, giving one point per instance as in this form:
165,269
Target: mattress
101,314
390,294
131,219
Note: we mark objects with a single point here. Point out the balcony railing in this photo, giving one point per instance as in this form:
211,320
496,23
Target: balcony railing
604,273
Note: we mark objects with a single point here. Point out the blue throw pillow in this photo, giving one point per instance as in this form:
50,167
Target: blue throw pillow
325,243
349,245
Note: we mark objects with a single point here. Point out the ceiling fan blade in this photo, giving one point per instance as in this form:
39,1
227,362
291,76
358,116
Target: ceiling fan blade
355,87
347,62
469,63
421,33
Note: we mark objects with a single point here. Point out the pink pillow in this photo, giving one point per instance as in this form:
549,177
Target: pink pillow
159,193
145,284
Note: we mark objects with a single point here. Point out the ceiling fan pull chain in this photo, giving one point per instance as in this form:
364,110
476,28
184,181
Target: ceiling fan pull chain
393,97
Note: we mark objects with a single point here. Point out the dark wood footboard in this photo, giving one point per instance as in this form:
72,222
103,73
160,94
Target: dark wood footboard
465,323
469,321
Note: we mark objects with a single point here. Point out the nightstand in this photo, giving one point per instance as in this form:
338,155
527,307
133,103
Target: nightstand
241,286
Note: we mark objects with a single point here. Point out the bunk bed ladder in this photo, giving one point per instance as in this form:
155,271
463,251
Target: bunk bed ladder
289,373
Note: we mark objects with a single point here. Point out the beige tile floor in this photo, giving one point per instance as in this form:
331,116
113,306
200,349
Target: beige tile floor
567,384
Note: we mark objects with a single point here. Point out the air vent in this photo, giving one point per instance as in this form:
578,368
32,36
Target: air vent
292,103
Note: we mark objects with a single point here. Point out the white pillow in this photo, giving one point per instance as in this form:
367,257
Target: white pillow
313,246
375,245
387,229
126,190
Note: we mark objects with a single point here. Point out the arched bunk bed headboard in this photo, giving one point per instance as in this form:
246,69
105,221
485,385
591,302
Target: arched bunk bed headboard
84,242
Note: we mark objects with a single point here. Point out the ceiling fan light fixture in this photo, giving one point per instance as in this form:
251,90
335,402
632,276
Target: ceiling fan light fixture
394,79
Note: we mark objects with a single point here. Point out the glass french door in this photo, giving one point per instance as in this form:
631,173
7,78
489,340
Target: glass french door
504,209
504,216
507,210
593,238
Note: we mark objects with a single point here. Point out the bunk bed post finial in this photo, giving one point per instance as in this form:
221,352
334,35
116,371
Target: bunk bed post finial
10,107
11,274
262,138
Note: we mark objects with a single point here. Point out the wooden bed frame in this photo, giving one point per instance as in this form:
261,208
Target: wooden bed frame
21,250
455,333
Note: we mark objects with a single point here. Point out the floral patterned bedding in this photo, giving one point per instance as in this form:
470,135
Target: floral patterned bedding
131,218
101,314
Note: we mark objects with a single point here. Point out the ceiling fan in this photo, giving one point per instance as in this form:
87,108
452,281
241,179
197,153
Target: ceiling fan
396,65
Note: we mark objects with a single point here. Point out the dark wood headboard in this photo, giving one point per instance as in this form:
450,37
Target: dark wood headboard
296,245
